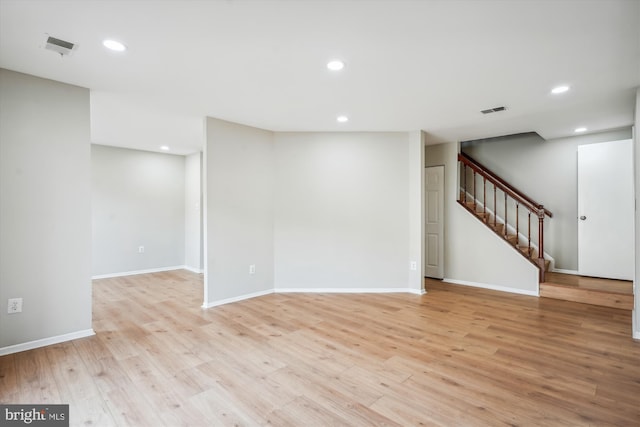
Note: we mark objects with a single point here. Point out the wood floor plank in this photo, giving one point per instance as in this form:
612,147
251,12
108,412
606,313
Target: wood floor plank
73,380
406,414
91,411
303,408
128,407
457,356
36,381
218,408
8,379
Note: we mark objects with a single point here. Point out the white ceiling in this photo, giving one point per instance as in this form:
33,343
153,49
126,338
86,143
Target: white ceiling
430,65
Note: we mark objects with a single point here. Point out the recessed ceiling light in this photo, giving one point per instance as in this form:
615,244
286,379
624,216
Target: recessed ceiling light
165,148
559,89
580,130
342,119
114,45
335,65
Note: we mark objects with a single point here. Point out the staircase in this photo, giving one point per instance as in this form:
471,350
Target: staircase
511,217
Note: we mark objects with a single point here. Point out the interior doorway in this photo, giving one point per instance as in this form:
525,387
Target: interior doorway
606,210
434,222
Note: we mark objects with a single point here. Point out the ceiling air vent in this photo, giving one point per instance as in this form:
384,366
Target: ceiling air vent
493,110
60,46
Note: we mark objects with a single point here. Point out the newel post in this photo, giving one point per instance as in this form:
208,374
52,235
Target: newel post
540,260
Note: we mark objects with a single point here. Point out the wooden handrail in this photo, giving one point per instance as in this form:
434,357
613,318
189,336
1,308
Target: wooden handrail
503,185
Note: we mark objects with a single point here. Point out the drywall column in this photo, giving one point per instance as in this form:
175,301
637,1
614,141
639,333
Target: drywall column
239,212
636,286
45,211
193,213
416,210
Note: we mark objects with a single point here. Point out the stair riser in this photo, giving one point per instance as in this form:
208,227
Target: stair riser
586,296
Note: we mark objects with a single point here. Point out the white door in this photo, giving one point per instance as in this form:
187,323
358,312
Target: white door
606,210
434,218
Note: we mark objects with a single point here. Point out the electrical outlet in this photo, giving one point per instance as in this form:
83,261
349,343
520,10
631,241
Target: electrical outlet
140,249
413,265
252,269
14,305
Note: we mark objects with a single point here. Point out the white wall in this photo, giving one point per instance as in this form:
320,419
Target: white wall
474,255
138,200
342,210
239,211
547,172
45,211
193,213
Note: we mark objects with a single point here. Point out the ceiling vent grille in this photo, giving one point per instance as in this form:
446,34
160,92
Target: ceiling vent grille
493,110
60,46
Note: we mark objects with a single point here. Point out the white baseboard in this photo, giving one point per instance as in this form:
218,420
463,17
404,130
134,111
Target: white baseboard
315,290
634,322
563,271
192,269
346,290
45,342
492,287
236,299
133,273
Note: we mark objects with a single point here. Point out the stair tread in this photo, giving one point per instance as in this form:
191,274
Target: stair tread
531,251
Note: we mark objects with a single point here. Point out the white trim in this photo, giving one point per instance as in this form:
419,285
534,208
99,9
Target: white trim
193,270
45,342
132,273
349,290
563,271
492,287
236,299
635,333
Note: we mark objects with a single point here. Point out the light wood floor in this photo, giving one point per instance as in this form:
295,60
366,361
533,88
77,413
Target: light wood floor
457,356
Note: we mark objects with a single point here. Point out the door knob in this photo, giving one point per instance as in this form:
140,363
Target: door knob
583,217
